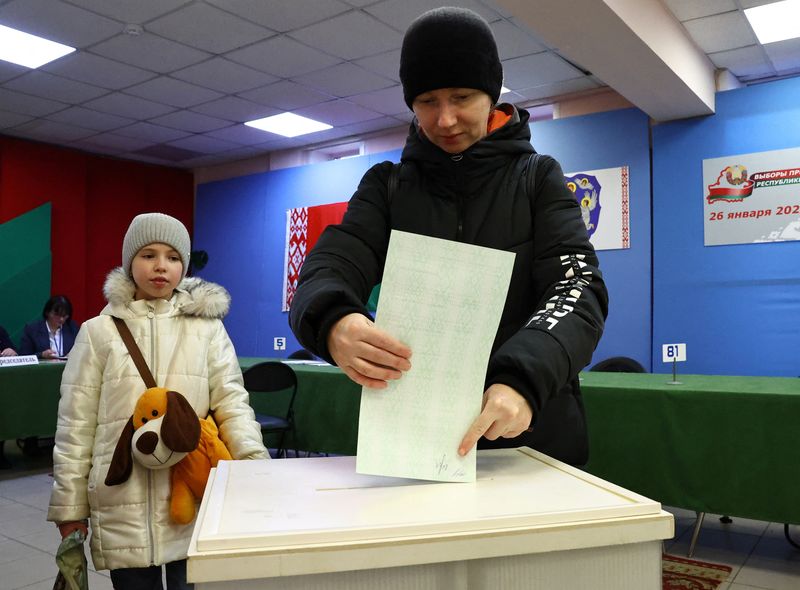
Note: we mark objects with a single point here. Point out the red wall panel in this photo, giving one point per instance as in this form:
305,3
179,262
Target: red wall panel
93,200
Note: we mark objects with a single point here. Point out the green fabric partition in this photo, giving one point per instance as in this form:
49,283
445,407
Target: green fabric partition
26,269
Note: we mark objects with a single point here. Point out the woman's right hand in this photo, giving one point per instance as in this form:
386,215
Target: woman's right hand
367,355
66,528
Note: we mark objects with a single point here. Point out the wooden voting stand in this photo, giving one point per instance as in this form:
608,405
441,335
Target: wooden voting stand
527,522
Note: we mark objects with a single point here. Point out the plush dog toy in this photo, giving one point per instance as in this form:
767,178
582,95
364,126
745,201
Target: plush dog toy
163,432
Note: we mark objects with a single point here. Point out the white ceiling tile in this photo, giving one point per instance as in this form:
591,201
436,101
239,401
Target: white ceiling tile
399,14
41,83
280,15
129,106
283,57
224,75
383,123
689,9
204,144
191,25
189,121
785,55
9,70
338,113
362,127
97,70
350,36
535,70
51,130
89,119
406,117
131,11
744,62
384,64
235,109
117,143
58,21
344,80
558,88
286,96
8,119
513,41
173,92
359,3
25,104
165,152
150,132
721,32
388,101
240,134
754,3
150,52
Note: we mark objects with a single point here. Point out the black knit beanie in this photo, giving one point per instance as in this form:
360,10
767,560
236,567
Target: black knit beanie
449,48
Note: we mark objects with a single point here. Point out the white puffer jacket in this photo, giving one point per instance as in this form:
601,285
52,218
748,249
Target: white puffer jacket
188,350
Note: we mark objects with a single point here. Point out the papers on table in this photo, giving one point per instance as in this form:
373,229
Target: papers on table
444,299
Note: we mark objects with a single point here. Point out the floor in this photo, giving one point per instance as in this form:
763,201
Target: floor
757,551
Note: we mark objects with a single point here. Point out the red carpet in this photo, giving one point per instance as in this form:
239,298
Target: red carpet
680,573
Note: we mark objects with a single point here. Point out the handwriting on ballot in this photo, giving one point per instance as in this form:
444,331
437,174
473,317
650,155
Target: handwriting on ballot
444,300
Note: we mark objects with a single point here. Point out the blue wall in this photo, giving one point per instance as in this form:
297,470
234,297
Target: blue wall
736,307
610,140
241,223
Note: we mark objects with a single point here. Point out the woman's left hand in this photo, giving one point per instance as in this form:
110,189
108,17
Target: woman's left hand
505,414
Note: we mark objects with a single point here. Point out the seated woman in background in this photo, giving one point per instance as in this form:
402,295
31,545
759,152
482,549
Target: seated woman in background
53,336
6,346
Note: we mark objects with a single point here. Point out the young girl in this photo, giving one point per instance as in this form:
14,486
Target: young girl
176,322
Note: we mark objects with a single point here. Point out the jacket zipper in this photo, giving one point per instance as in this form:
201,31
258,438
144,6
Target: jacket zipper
150,494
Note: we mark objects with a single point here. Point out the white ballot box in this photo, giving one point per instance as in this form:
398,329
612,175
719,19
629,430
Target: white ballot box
528,521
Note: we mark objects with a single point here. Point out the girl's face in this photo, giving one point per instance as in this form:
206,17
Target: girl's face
453,118
157,269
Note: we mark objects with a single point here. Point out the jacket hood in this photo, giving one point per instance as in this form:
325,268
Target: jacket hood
465,174
194,296
511,139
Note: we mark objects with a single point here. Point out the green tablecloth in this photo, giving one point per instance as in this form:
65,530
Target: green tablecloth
725,445
29,399
326,408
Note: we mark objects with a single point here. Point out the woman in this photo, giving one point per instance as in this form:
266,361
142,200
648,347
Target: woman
464,177
54,335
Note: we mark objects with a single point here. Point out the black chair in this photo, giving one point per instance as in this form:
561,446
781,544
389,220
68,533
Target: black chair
619,364
272,377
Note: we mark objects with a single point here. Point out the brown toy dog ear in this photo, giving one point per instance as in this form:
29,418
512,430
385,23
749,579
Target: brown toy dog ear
180,430
122,462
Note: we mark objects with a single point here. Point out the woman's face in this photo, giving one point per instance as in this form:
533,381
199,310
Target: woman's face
453,118
56,319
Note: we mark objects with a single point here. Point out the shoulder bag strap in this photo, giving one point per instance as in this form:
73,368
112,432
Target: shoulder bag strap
530,173
394,182
136,354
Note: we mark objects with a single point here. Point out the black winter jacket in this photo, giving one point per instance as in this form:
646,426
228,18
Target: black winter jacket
557,301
